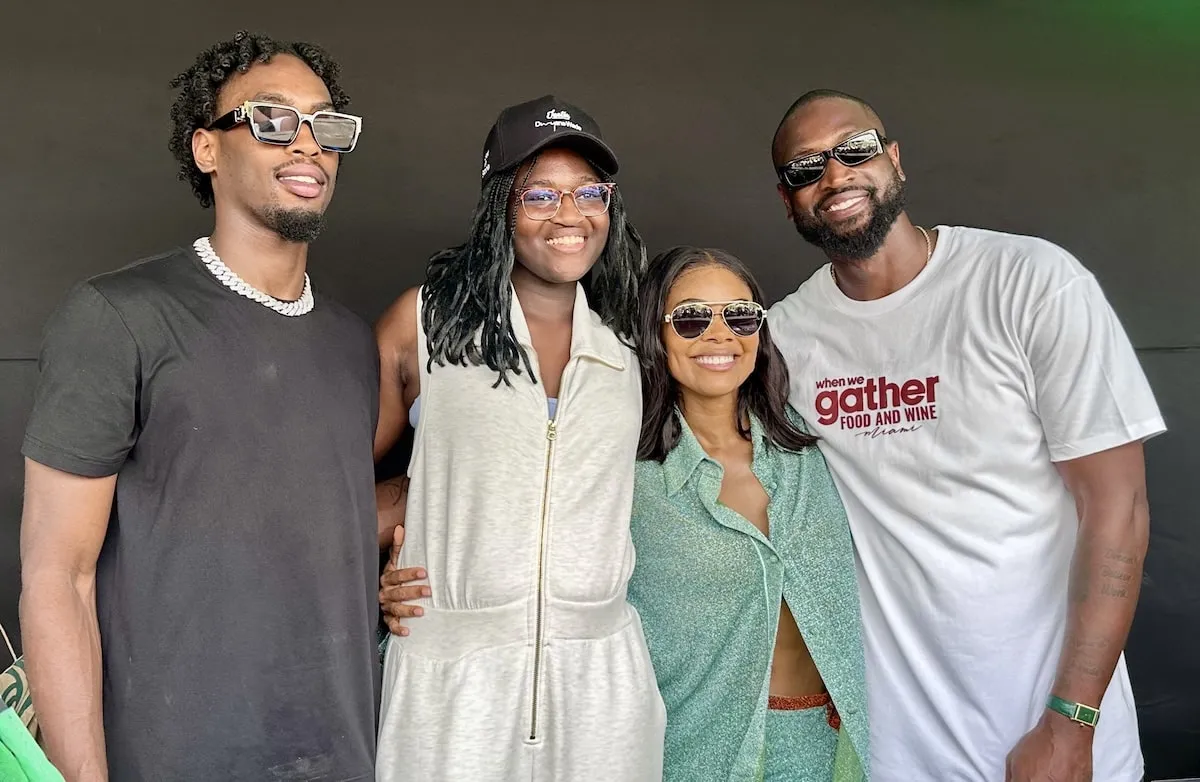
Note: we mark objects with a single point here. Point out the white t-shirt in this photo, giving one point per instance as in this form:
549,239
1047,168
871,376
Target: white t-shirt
941,409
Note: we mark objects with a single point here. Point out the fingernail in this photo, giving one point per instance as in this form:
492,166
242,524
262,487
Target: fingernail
420,574
418,612
426,592
403,631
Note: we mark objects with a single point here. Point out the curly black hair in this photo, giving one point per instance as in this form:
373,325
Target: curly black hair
466,298
196,105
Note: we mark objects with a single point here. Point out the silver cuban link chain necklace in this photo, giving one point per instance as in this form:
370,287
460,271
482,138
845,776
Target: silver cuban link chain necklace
229,278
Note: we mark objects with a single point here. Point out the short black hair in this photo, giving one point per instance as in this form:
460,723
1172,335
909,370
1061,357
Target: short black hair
815,95
200,85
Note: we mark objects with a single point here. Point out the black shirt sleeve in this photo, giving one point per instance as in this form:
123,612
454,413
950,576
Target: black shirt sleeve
85,411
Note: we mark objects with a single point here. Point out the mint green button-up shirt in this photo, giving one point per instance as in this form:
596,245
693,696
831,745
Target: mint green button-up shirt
708,586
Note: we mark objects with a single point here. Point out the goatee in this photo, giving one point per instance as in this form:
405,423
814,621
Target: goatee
295,225
858,243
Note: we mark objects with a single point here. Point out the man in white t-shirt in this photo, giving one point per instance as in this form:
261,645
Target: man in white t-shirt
983,413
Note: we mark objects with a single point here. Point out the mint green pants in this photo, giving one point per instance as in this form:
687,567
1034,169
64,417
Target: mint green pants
800,746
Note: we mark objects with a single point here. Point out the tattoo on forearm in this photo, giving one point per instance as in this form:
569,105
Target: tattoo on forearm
1116,582
396,490
1104,583
1116,579
1091,644
1083,655
1119,556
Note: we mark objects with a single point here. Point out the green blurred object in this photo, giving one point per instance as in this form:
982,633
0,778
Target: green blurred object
1144,23
21,759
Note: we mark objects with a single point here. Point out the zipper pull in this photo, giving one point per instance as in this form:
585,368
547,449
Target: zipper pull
551,432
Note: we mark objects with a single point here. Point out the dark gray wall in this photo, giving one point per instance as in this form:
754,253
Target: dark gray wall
1078,124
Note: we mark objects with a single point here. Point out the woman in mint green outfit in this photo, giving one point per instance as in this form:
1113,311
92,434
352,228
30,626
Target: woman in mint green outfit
745,568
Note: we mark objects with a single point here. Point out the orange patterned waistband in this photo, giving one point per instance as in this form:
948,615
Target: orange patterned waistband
798,702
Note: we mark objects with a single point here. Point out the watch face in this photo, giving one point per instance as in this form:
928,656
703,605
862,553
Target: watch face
1086,714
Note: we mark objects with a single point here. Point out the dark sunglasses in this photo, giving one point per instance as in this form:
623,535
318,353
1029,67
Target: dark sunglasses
272,123
691,319
543,203
854,151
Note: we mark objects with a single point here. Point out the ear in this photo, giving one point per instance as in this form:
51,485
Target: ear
786,195
205,147
893,152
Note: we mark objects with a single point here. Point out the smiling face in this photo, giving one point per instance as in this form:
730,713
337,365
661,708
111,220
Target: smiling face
564,248
716,363
285,189
850,210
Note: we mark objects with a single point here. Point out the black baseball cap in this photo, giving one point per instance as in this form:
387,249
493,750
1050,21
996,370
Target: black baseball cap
524,129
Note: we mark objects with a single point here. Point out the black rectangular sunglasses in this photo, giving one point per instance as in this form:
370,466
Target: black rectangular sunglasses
273,123
854,151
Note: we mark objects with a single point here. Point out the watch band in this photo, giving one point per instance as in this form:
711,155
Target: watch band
1084,715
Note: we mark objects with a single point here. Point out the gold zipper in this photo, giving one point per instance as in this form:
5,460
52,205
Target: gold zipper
551,433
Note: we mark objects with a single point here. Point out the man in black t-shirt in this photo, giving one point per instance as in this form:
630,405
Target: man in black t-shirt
199,545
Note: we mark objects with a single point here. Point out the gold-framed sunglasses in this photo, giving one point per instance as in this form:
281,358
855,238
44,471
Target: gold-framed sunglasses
274,123
692,318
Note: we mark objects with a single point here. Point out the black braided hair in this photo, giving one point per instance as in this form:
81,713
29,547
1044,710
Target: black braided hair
467,287
200,85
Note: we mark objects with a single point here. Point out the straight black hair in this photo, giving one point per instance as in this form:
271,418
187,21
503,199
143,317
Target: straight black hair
765,392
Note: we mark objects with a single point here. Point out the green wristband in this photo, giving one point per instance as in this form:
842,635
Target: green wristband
1084,715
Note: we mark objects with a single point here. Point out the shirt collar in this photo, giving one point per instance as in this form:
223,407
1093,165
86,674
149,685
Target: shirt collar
688,454
589,336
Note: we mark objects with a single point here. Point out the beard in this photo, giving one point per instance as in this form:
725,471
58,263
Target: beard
856,244
294,225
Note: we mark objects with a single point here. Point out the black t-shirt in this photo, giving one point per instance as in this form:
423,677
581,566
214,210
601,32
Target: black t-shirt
236,588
